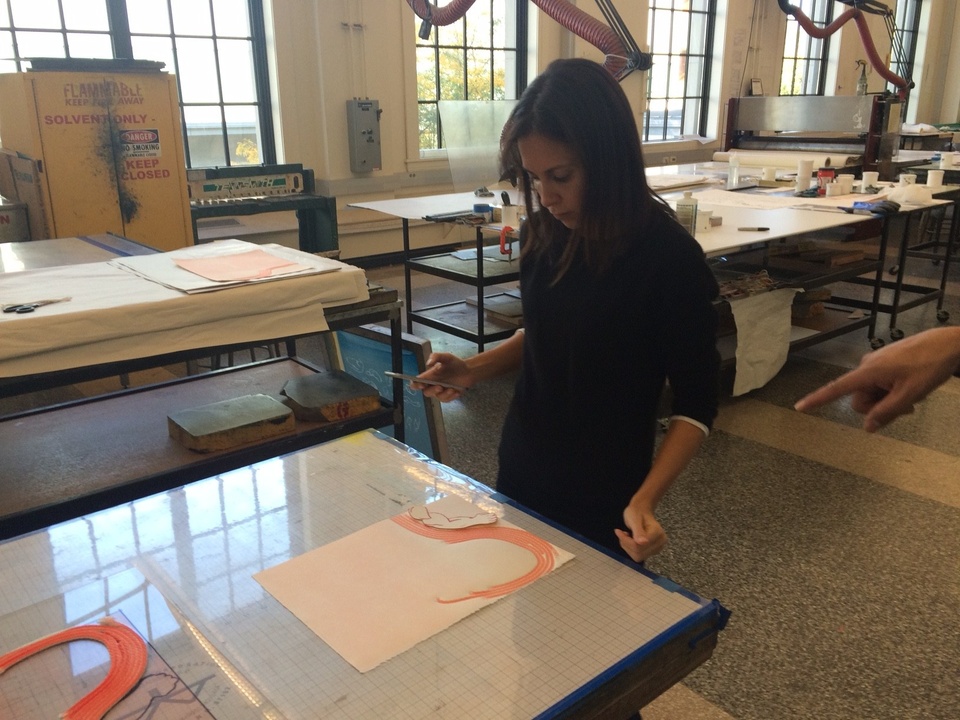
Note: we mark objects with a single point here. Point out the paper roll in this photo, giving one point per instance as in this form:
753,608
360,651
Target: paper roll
786,160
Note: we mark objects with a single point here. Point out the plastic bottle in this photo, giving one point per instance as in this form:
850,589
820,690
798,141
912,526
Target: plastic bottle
733,172
862,81
687,212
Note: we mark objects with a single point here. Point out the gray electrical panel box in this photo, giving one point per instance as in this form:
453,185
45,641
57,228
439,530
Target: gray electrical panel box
363,127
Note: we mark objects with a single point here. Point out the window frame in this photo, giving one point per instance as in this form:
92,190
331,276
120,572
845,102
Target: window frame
820,82
520,50
121,39
905,68
701,95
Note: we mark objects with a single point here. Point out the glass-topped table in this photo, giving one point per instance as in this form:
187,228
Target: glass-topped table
597,636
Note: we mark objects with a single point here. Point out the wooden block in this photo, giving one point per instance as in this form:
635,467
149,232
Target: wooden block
230,423
330,396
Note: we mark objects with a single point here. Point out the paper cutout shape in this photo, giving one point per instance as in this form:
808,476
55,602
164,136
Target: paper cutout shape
381,590
250,265
435,519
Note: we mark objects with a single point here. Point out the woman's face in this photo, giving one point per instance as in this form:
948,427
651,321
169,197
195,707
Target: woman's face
557,176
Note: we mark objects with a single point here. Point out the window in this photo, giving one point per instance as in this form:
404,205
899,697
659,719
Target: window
904,51
220,45
680,38
805,57
481,56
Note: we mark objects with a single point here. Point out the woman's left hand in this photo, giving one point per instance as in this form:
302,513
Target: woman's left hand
646,537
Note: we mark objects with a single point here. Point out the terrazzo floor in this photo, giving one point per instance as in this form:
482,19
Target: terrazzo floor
838,552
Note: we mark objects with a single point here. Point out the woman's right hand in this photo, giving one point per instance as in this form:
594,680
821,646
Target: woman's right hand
448,368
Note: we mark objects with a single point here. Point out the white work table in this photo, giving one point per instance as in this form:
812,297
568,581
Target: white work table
115,314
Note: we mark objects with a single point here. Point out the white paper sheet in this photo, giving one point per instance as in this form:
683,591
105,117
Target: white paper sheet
162,268
381,590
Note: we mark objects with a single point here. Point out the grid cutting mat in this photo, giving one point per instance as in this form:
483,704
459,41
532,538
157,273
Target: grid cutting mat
199,546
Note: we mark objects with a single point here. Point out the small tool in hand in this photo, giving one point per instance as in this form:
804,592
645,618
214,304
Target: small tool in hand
21,308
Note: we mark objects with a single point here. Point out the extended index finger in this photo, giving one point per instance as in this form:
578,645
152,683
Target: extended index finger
843,385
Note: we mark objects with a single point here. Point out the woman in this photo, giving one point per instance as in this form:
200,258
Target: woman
617,299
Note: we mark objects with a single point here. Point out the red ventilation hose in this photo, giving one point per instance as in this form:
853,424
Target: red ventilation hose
813,31
573,19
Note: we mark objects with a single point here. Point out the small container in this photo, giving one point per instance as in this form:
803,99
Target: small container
733,171
871,179
687,212
825,176
704,220
804,173
513,215
485,210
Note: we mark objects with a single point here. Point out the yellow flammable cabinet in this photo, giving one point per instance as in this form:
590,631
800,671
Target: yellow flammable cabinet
109,152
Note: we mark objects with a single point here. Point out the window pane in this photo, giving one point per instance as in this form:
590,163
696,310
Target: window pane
500,34
450,34
236,71
661,40
694,76
4,15
429,126
478,25
154,48
85,15
36,14
205,136
191,17
198,71
691,117
479,78
231,18
147,17
40,44
243,136
698,30
787,82
426,71
502,74
6,45
451,75
89,45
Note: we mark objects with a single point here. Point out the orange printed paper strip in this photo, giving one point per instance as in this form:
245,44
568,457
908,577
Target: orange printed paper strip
128,660
541,549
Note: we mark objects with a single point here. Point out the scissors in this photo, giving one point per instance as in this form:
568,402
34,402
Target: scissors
29,307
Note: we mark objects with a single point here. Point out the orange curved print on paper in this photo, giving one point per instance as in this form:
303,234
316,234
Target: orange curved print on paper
541,549
128,661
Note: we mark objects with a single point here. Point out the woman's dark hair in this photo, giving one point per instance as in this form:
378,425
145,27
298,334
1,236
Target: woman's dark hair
580,104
